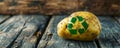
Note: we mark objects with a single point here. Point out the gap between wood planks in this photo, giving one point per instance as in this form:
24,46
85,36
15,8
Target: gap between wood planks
39,37
16,36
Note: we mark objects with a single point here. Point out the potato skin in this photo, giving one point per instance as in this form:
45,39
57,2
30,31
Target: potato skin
90,34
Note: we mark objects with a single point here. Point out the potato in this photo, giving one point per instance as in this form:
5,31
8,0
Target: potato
81,25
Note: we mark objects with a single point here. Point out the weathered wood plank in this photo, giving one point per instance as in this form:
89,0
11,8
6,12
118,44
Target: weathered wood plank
110,34
27,39
10,29
50,38
3,18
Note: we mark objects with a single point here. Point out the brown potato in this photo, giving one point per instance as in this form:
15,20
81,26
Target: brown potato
82,25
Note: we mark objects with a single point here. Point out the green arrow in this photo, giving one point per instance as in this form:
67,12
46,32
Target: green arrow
80,30
73,20
73,31
70,25
80,18
85,25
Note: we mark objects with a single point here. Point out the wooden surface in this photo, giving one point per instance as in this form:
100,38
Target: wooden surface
38,31
52,7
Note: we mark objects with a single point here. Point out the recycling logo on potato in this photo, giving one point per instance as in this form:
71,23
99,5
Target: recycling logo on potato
74,21
82,25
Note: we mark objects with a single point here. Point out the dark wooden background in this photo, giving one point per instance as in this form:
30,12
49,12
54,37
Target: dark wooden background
52,7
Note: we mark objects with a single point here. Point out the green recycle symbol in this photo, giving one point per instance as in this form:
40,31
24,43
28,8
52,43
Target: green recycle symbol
73,21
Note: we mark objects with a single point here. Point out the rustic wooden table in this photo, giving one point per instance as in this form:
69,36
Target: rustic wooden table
38,31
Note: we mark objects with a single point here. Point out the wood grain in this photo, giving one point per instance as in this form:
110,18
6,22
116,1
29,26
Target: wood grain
10,29
28,37
22,31
52,7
